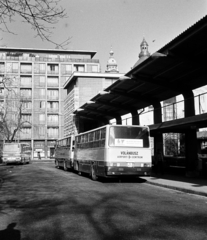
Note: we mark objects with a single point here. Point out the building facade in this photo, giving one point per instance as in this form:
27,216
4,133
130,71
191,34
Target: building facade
39,76
81,87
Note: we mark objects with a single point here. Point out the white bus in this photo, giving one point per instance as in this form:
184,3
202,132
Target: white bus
113,150
16,153
64,150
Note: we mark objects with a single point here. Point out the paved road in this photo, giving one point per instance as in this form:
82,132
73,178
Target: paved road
41,202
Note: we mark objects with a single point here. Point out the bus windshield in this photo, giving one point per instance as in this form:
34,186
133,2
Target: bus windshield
129,136
11,147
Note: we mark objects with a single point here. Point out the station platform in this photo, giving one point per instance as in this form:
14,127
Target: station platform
191,185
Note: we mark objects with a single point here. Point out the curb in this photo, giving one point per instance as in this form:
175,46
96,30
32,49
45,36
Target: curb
178,188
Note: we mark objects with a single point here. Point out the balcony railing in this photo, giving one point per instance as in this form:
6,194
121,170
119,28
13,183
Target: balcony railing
26,71
52,98
52,84
52,110
53,72
52,136
25,136
45,59
52,123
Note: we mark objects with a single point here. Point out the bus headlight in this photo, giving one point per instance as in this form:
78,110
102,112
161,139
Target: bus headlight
145,165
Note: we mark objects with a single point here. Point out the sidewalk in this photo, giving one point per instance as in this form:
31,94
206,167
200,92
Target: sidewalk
196,186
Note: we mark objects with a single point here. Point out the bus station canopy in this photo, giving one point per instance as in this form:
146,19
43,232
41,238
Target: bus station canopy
176,68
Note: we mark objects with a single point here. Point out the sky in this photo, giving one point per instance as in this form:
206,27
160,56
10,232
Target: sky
99,25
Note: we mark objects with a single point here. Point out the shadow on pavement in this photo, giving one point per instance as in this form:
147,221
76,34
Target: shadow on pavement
10,233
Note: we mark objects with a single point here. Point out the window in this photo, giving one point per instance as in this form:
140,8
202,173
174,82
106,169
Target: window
52,132
52,94
39,80
26,93
42,93
94,68
27,105
78,68
52,68
52,118
66,69
52,105
25,133
26,118
2,67
129,136
42,118
12,67
42,80
26,68
26,80
39,67
41,131
42,104
52,81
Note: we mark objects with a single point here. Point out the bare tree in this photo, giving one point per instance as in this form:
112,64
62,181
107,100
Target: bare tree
11,111
41,15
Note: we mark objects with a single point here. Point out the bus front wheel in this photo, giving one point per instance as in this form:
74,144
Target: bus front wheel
93,173
56,164
65,167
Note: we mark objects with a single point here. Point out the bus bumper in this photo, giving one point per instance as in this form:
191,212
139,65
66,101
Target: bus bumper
128,171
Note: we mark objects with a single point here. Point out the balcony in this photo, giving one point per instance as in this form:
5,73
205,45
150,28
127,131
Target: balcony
39,71
52,72
52,123
52,98
52,110
26,71
25,136
27,124
25,97
66,72
52,136
49,84
27,110
12,70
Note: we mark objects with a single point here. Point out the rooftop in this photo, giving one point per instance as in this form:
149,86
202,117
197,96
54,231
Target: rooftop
51,51
75,75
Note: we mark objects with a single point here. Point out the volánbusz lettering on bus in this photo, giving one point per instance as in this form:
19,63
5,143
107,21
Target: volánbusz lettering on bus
129,153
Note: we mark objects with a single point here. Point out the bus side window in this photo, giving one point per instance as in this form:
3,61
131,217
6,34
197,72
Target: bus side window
103,136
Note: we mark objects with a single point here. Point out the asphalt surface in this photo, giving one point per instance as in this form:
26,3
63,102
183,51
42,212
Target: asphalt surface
40,202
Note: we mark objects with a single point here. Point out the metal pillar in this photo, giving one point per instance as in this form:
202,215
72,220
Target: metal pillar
190,136
118,120
135,118
158,138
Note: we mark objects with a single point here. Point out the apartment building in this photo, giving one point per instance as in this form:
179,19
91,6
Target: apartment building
39,75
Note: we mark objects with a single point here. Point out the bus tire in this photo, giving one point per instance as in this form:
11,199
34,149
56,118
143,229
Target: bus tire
57,164
93,173
79,172
65,167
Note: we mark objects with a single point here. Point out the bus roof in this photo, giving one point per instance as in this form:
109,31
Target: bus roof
108,125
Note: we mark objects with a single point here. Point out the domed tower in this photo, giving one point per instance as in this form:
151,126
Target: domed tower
144,49
111,66
144,54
